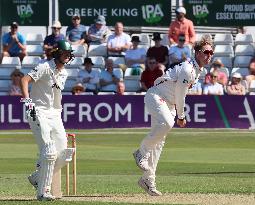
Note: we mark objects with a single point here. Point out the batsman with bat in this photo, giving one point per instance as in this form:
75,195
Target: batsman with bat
43,110
162,101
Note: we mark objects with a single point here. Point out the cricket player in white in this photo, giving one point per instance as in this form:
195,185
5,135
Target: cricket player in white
162,101
44,117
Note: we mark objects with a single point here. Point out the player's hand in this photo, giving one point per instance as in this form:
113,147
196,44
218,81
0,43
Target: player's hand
30,108
181,122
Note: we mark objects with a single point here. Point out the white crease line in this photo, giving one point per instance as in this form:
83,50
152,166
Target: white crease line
132,132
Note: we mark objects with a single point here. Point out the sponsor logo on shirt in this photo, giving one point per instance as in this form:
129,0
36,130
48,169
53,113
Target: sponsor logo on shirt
56,86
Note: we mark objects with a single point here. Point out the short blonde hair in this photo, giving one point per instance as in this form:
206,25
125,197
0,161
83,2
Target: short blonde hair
205,40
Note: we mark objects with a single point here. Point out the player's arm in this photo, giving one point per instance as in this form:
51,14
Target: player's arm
181,89
24,85
30,106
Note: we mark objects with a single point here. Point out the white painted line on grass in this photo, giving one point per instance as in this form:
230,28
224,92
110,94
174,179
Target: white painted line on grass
103,132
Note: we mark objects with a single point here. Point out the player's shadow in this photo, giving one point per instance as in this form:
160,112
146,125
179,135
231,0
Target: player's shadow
215,173
17,200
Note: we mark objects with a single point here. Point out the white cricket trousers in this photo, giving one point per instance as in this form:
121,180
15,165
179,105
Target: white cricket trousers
162,120
49,127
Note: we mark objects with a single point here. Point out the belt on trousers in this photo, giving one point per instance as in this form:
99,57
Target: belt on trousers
162,81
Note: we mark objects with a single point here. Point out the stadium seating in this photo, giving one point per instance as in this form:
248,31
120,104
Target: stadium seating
223,39
143,46
224,50
98,61
165,40
199,36
66,93
26,70
97,50
5,73
118,73
244,50
3,93
227,61
87,93
69,84
11,62
242,71
132,82
105,93
75,63
117,60
25,30
34,39
242,61
72,73
4,85
250,30
144,38
243,39
30,61
35,50
234,50
132,85
79,50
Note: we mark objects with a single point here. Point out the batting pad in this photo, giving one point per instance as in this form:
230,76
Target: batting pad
49,156
64,157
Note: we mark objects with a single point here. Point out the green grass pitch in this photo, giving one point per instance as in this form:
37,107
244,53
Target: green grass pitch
192,161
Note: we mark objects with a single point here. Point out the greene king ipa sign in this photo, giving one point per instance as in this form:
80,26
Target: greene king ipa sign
25,12
221,13
130,12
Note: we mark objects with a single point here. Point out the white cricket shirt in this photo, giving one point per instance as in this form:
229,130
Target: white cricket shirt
47,85
174,84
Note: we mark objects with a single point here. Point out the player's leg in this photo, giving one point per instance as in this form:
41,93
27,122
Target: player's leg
155,106
64,154
162,123
36,129
159,146
47,156
151,146
149,177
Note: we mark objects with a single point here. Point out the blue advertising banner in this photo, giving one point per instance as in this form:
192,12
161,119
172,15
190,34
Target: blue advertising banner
113,111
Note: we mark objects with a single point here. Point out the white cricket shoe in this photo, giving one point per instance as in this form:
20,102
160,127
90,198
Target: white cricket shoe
46,197
141,161
33,179
149,187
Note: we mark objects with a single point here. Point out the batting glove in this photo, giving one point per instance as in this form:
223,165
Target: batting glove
30,108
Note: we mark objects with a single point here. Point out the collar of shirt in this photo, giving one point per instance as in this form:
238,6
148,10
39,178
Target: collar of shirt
196,67
53,66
